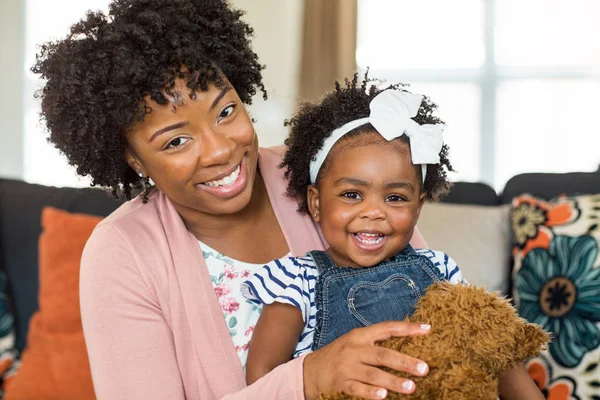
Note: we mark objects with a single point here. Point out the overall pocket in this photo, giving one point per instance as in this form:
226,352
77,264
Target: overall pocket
390,299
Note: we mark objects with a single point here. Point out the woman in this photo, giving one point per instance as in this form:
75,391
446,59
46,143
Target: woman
156,91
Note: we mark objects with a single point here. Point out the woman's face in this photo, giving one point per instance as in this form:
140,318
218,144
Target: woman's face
202,152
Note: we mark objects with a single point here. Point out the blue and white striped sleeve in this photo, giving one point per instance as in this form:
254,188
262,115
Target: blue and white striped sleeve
289,280
447,266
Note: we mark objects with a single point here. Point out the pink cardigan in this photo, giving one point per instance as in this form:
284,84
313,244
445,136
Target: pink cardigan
152,324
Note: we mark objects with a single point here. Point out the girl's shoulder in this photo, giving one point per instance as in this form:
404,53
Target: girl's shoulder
286,280
292,266
444,263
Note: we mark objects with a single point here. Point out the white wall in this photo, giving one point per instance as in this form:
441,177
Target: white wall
277,41
12,47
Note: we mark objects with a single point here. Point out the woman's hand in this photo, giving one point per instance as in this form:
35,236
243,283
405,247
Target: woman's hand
351,363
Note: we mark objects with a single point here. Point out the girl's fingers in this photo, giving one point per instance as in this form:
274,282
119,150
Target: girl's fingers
382,357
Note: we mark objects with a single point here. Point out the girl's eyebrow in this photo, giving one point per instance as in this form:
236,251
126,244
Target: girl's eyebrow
360,182
400,185
351,181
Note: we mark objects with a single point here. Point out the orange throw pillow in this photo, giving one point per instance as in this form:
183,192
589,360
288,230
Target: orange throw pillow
55,365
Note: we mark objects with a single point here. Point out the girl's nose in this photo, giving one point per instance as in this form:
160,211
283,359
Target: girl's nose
215,148
373,210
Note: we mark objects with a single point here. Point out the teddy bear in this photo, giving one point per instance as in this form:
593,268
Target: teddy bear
475,336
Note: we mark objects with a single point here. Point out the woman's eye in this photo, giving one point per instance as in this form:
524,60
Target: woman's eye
351,195
395,198
227,111
178,141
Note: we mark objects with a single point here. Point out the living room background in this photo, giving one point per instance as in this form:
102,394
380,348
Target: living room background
517,81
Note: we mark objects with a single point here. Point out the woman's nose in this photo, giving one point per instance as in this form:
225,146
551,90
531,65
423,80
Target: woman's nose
215,148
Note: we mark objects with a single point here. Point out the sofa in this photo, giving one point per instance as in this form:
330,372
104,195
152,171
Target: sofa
443,225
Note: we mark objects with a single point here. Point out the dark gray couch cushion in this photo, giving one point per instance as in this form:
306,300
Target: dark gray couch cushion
551,185
472,193
20,213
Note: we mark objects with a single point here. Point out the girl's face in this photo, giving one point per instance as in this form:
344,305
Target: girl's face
367,202
202,152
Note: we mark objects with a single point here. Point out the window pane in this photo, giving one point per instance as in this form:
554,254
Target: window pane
45,21
547,32
459,107
43,164
412,34
546,126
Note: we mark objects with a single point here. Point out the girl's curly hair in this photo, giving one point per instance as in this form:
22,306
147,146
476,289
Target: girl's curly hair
98,77
313,123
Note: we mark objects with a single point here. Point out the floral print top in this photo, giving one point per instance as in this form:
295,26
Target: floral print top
240,314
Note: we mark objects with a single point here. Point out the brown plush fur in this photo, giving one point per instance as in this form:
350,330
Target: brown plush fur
476,336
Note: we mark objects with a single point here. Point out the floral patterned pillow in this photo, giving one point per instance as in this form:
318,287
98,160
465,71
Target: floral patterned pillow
556,283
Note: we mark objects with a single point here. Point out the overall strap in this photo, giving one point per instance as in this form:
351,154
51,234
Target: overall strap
322,260
408,250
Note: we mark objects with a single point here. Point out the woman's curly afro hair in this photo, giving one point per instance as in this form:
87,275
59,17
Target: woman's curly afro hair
98,77
313,123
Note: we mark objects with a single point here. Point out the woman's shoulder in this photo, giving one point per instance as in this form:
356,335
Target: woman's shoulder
271,156
273,151
132,222
130,242
133,210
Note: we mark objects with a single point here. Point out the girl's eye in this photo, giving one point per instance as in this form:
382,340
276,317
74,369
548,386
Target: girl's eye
178,141
351,195
227,111
395,198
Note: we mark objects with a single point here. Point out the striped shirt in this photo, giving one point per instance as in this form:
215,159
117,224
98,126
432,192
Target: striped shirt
291,280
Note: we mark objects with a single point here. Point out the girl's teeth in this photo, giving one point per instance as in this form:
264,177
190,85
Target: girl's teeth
228,180
369,238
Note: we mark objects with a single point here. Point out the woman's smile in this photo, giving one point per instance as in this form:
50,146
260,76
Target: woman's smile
230,185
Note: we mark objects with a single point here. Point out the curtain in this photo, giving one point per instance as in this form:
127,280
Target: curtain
328,46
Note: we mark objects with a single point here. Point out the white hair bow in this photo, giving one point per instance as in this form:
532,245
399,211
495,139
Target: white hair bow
391,115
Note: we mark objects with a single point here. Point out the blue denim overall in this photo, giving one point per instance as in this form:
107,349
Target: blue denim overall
348,298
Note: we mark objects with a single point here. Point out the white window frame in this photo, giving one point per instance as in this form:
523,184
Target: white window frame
487,77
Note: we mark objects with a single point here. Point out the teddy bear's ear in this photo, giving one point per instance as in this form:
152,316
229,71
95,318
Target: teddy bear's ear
530,339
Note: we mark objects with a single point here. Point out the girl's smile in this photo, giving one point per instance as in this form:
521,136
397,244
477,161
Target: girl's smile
369,241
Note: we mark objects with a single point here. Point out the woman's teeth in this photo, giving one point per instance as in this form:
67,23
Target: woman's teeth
369,238
226,181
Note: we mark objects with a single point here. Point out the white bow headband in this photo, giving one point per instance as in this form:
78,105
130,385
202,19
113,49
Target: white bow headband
391,113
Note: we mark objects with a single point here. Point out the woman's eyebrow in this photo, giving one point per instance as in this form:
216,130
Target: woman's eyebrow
219,97
168,128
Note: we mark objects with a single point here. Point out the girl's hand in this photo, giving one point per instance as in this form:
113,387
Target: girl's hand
350,363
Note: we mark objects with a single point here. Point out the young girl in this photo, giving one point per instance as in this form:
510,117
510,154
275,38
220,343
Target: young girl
362,163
